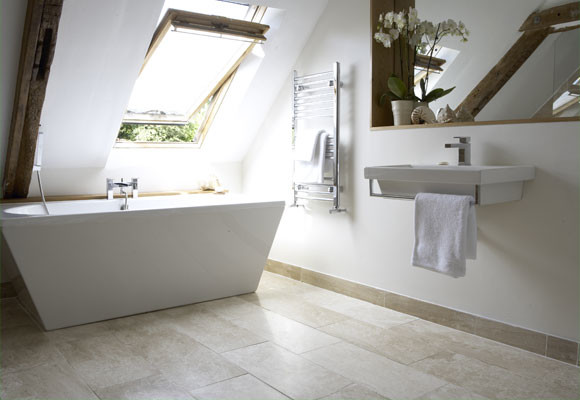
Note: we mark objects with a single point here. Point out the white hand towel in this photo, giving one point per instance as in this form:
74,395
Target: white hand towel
306,144
445,232
312,171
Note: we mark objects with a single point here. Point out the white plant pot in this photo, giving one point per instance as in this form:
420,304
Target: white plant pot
402,110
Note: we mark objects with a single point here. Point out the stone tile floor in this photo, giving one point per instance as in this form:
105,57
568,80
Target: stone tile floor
287,340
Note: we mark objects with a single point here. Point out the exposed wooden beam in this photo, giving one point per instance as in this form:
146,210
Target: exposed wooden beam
36,55
507,66
552,16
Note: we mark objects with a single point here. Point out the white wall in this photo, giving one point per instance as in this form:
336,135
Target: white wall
99,52
526,273
12,14
157,169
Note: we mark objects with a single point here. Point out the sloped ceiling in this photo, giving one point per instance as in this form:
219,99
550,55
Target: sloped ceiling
261,77
100,49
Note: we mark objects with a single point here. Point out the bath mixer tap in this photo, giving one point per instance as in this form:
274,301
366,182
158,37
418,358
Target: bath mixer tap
134,185
123,190
464,147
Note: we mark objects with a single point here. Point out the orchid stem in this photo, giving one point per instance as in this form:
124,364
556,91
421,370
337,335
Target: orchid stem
431,57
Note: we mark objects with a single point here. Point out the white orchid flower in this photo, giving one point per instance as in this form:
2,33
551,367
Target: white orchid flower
451,25
413,18
401,21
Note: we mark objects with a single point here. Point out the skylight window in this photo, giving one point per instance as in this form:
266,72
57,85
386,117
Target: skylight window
441,60
567,104
190,63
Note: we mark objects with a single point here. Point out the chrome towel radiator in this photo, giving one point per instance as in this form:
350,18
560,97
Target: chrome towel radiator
316,97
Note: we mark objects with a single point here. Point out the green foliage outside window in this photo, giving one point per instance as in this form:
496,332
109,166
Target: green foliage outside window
164,133
158,133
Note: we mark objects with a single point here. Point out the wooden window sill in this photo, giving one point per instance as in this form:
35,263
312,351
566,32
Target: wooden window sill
102,197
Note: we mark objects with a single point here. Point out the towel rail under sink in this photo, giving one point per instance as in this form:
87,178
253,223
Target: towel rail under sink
400,196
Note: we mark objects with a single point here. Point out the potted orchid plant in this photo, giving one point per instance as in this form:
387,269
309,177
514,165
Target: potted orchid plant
415,37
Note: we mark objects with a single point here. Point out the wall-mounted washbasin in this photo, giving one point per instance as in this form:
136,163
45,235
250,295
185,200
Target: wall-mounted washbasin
488,184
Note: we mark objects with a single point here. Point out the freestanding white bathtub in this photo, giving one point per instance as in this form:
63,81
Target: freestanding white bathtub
89,261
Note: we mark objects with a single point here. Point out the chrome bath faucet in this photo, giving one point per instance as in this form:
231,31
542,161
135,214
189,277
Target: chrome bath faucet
464,147
134,185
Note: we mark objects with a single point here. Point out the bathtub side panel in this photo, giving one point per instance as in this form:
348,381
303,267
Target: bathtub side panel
106,267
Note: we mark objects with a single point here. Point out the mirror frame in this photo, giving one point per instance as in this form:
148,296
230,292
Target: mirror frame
384,62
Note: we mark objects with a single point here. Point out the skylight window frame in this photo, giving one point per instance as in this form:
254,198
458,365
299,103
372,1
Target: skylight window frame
249,30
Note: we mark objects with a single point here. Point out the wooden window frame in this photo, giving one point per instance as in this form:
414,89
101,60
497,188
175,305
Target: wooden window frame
252,30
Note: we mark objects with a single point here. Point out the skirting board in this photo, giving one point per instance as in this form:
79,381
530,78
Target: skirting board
536,342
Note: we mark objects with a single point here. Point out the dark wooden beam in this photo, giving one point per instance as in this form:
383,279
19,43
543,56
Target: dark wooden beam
507,66
384,62
552,16
36,55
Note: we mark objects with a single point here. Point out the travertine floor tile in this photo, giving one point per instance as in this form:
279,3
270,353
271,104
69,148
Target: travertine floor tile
355,392
24,347
386,377
47,381
175,354
270,280
214,332
481,378
105,361
363,311
295,308
181,359
285,332
155,387
560,377
287,372
79,332
241,388
230,308
397,343
450,392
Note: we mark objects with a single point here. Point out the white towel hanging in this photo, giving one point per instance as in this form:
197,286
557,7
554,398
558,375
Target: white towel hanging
445,232
313,171
306,144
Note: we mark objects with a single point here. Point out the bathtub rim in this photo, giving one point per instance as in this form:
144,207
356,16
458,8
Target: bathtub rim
8,219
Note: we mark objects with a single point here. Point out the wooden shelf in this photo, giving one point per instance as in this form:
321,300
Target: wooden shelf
476,123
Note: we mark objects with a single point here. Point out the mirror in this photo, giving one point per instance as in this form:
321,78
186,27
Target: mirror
546,86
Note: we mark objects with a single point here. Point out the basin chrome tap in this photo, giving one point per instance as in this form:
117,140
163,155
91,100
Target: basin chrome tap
134,185
464,147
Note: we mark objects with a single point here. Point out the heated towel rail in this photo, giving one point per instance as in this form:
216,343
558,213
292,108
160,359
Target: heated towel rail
317,97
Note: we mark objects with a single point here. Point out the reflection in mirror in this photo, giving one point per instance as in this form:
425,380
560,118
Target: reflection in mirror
545,86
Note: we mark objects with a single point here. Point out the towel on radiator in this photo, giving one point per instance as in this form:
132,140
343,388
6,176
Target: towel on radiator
311,171
445,232
306,144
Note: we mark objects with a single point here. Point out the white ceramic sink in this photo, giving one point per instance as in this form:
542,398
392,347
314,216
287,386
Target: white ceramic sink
458,174
488,184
